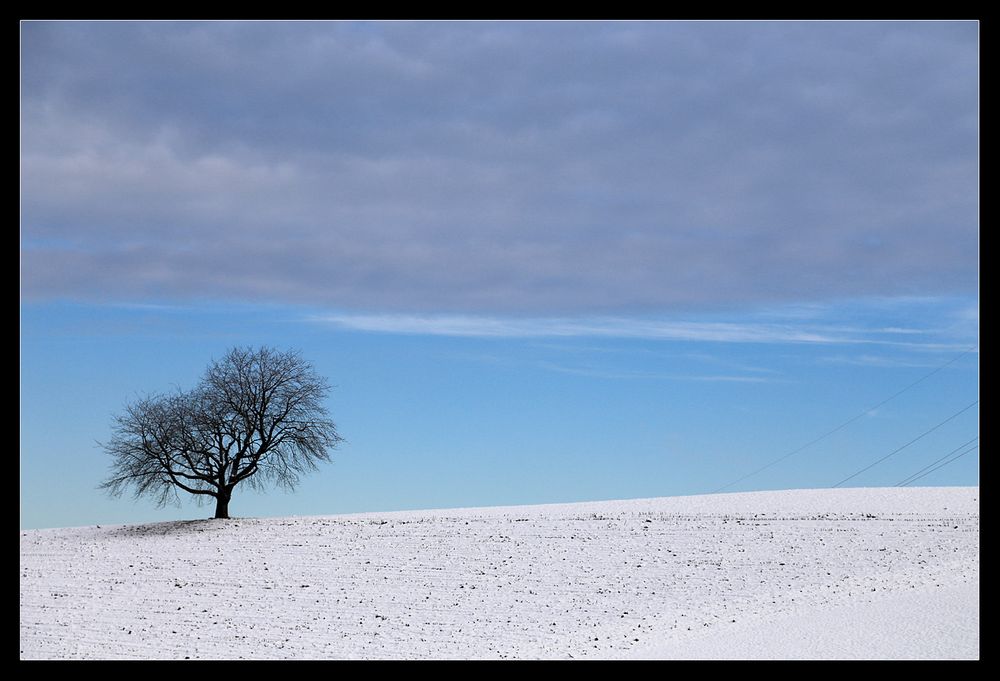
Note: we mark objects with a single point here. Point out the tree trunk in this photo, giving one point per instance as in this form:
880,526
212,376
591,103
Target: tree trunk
222,506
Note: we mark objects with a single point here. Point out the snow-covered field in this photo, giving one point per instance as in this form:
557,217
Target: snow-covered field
855,573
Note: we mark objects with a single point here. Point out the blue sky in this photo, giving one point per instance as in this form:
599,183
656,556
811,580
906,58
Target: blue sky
541,262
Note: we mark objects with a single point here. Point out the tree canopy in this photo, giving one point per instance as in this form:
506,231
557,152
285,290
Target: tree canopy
257,416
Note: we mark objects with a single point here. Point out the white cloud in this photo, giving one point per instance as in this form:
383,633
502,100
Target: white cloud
591,372
616,327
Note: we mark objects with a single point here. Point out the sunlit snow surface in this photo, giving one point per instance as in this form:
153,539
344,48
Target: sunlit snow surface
855,573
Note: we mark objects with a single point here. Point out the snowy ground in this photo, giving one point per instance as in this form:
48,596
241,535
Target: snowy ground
857,573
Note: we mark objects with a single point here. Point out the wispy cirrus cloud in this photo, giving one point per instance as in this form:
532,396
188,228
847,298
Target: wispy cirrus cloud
593,372
626,328
881,361
611,327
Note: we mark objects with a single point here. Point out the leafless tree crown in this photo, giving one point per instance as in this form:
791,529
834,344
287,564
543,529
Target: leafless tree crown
257,416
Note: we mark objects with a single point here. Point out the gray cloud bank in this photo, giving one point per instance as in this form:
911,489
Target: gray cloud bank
535,168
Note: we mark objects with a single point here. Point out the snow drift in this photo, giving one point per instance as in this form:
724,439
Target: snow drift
853,573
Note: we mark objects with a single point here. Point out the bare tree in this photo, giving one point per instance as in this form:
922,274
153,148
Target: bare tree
257,416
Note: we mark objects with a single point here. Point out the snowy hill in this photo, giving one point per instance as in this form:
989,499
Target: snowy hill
855,573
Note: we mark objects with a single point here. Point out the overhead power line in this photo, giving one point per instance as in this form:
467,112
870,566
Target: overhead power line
971,449
942,464
919,474
845,423
899,449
